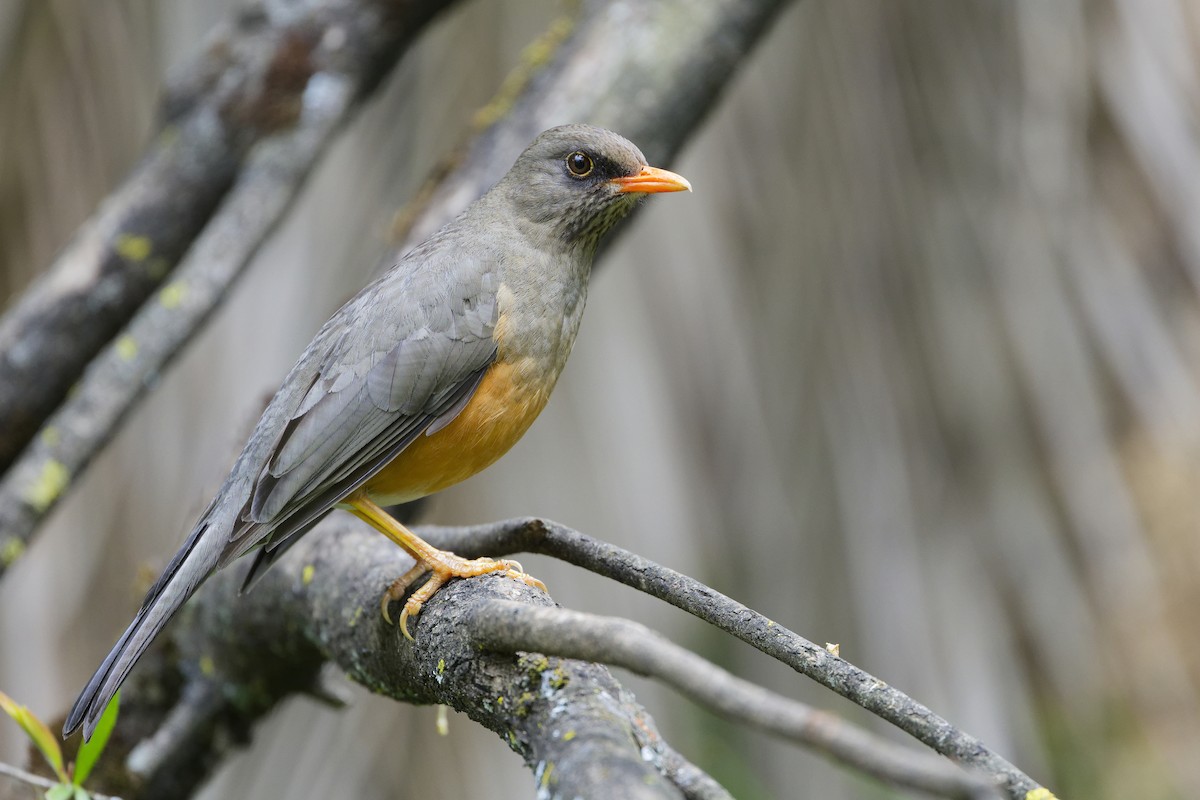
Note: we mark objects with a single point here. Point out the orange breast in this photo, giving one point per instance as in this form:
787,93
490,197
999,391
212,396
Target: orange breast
508,399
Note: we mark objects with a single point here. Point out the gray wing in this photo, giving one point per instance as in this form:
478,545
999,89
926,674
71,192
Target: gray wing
401,358
374,392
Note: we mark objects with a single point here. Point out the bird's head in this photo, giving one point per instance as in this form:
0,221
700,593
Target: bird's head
577,181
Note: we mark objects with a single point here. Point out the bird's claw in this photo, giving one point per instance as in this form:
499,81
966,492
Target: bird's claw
396,590
516,572
451,566
409,610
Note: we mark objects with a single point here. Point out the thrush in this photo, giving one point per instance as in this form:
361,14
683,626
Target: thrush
424,378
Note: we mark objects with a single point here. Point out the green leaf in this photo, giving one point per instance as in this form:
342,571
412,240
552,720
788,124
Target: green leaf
37,731
90,750
59,791
81,794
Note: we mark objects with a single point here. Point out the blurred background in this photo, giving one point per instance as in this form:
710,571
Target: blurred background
916,369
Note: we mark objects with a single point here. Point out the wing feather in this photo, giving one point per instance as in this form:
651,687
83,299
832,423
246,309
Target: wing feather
374,391
309,511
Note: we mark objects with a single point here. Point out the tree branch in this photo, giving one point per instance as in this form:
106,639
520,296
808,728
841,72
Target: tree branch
550,538
228,661
512,627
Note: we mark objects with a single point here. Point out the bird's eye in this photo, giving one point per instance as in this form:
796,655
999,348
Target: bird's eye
580,164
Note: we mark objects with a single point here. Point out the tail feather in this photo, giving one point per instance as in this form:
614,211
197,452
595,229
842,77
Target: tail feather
190,566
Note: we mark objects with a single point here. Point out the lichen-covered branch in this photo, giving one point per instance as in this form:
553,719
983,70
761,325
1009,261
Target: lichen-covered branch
245,124
229,660
808,658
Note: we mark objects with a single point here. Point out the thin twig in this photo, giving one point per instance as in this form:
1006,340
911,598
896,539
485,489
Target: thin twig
505,626
688,594
43,783
695,783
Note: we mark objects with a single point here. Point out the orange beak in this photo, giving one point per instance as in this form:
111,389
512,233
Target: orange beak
653,179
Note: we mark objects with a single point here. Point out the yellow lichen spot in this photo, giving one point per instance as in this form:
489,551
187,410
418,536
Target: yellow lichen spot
546,773
171,295
306,574
834,647
568,736
127,348
50,436
11,550
441,666
358,612
1040,793
558,678
48,486
533,663
133,248
524,703
500,700
207,667
770,623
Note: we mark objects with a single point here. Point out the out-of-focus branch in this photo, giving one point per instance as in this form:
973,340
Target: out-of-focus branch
688,594
508,627
246,122
649,70
230,660
272,71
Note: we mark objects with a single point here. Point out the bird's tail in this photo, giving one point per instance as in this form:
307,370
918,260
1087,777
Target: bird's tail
189,567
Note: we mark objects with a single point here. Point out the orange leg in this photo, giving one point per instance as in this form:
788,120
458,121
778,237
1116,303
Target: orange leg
443,564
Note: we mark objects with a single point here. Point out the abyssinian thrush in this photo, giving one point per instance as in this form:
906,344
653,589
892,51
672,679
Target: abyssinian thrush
425,377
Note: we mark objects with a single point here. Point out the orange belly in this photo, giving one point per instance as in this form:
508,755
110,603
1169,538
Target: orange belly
507,400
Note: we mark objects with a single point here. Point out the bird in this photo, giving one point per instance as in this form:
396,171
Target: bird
425,377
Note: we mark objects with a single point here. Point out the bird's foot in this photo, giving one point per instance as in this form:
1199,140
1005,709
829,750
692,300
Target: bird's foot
442,564
442,567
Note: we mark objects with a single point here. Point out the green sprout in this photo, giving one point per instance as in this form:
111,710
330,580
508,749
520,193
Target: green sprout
70,776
